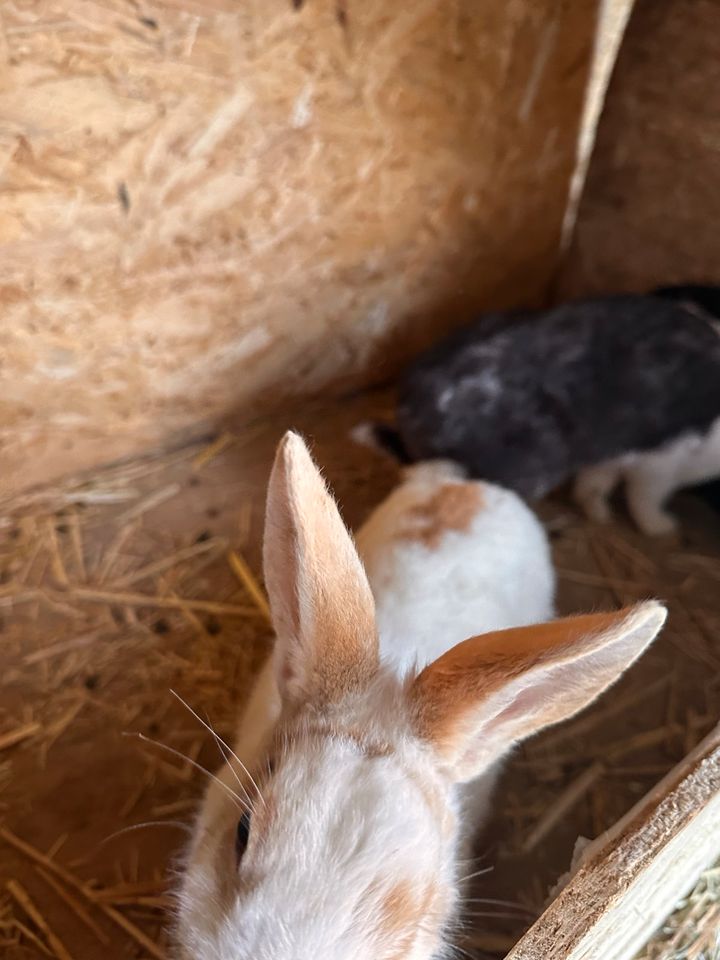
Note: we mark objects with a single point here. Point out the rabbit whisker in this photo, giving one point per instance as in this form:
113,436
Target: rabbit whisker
478,873
221,743
499,915
240,803
501,903
177,824
461,950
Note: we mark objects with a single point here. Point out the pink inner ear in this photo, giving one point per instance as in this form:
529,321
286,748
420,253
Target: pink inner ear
543,697
525,707
286,674
524,704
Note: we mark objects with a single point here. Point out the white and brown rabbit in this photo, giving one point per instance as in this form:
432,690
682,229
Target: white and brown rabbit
356,753
610,389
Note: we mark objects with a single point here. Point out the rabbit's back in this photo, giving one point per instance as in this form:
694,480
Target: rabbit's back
527,400
448,559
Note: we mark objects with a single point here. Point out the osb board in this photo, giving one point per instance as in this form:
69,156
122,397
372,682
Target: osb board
202,201
651,206
613,17
118,588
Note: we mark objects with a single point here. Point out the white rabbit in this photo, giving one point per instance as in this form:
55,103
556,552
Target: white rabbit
348,845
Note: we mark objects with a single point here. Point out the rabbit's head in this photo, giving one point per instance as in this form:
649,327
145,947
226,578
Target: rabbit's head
346,844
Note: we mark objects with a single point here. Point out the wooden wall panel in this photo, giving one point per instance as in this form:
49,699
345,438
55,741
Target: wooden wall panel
651,206
203,200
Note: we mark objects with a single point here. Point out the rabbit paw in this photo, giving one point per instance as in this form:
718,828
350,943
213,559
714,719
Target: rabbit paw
656,523
596,509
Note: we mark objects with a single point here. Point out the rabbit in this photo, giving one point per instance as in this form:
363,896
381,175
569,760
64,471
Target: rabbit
335,827
697,297
651,477
621,387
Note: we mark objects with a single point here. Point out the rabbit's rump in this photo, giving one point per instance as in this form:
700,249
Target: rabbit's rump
447,560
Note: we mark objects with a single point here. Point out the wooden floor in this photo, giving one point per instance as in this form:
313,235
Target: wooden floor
119,588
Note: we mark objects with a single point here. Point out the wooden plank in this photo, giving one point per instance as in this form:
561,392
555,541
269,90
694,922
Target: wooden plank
613,16
631,877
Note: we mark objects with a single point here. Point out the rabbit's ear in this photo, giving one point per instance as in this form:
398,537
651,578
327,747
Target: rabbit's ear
322,607
484,695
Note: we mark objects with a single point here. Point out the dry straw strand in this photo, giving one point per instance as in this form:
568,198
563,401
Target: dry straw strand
160,566
72,903
245,575
13,737
31,936
572,794
122,599
22,898
212,451
73,881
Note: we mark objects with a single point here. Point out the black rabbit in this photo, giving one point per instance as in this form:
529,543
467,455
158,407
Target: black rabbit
618,387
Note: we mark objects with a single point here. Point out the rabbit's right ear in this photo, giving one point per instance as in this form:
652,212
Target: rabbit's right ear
488,693
322,608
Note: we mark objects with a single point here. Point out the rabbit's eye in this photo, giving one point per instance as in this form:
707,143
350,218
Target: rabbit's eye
242,835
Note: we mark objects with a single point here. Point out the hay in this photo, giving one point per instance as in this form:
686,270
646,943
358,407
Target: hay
68,878
563,805
212,450
13,737
77,908
246,578
22,898
120,599
692,932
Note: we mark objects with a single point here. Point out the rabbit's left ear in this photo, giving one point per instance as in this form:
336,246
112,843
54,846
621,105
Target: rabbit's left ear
322,607
482,696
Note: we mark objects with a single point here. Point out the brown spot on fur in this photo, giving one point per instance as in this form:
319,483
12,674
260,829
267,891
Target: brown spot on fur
296,727
453,506
399,911
369,747
404,907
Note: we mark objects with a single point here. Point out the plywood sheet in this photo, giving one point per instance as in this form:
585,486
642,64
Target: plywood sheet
651,206
203,202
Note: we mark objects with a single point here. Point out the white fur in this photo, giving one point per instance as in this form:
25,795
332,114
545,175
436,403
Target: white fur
650,479
498,573
344,815
361,805
494,575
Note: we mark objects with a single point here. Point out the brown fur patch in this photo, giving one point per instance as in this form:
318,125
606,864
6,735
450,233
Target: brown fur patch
404,907
370,748
448,690
399,914
453,506
295,727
